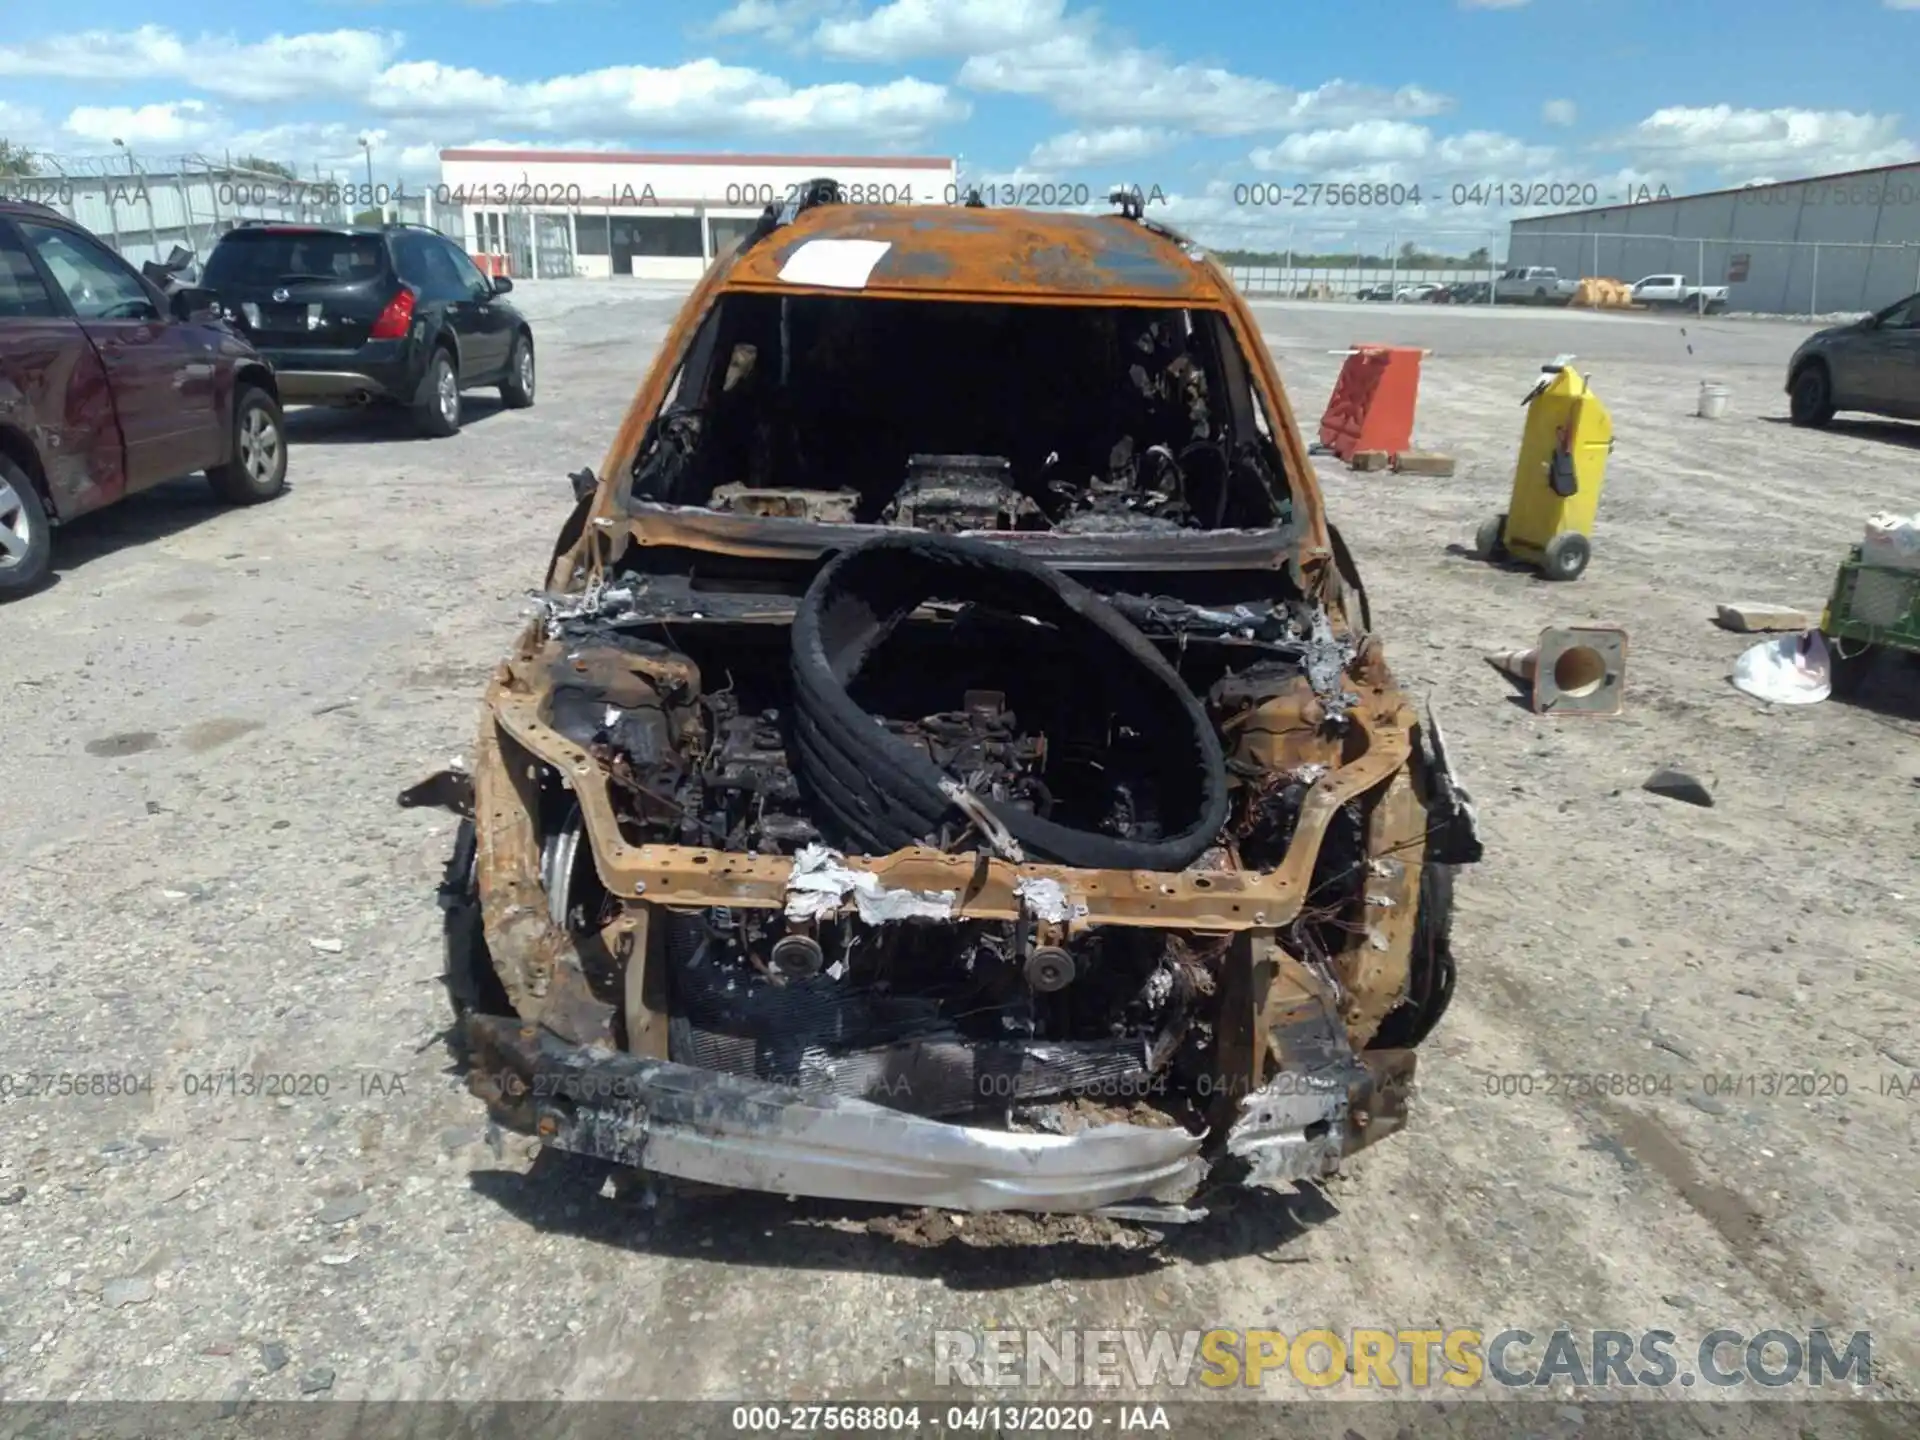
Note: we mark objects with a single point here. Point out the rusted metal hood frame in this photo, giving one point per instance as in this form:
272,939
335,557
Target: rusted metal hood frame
985,887
790,538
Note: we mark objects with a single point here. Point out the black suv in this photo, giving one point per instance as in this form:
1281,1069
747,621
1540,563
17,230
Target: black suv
352,314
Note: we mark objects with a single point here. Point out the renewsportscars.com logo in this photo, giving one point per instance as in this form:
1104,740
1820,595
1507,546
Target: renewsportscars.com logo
1449,1360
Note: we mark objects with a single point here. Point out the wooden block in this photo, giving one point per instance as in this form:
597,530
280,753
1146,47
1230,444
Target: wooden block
1757,616
1369,460
1423,462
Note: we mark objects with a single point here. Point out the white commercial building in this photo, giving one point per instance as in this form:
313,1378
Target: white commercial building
660,217
1841,242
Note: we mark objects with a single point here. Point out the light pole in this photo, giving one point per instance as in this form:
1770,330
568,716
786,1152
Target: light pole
367,145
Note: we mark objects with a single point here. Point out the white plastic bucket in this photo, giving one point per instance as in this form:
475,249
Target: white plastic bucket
1713,401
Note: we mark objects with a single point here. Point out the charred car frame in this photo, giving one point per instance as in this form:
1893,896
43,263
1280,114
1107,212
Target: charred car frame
952,764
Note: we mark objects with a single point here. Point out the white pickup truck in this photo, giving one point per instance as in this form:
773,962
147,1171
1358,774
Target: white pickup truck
1672,292
1533,285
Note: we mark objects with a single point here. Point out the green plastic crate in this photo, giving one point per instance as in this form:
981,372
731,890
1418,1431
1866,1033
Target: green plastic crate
1873,605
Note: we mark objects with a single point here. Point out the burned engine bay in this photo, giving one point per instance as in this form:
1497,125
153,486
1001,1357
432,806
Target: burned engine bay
941,778
952,694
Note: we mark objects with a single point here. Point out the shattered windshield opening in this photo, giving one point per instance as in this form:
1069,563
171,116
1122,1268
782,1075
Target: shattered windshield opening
954,416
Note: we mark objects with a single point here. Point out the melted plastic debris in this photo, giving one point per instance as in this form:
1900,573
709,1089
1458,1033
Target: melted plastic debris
595,600
1048,899
1327,659
820,883
997,836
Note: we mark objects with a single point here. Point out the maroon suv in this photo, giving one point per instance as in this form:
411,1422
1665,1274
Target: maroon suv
109,385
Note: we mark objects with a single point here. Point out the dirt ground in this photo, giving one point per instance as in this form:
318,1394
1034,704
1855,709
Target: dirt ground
208,716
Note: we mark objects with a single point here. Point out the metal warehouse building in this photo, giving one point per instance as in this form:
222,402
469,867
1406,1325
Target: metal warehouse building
660,217
1845,242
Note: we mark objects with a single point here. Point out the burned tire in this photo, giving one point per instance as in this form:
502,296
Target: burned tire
879,793
473,987
1430,970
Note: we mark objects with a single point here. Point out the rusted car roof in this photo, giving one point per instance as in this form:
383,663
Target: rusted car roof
934,251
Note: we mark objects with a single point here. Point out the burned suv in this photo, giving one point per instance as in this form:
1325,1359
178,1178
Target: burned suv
953,766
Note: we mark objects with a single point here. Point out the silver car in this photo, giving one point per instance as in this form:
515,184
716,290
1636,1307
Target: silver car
1872,365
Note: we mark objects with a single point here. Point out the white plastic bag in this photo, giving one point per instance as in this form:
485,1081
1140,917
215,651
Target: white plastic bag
1789,670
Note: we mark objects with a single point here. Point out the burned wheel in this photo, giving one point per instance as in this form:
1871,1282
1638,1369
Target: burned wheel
473,988
1430,971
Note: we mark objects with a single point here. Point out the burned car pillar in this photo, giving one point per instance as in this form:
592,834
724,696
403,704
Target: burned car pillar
948,767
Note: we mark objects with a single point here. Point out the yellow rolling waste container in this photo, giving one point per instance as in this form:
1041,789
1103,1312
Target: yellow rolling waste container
1556,484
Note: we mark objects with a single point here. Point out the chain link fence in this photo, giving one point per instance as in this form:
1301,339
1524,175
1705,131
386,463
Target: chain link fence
1777,277
145,206
1354,264
1781,277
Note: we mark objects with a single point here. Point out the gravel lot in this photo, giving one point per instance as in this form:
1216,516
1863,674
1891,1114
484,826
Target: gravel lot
209,714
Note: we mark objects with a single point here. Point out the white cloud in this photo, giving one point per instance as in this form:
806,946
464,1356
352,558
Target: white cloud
698,99
1504,157
898,110
703,97
426,87
1739,143
1130,86
1365,140
1395,150
905,29
175,122
1039,48
1115,145
281,67
21,124
1565,112
780,21
332,145
418,160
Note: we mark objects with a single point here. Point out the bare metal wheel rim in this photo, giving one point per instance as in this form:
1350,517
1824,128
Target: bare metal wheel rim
526,367
16,528
448,391
259,445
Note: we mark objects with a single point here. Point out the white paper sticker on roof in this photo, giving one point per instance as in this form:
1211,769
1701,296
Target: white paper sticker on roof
843,264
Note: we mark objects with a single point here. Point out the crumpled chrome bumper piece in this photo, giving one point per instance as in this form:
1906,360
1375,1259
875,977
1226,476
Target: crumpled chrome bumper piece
720,1129
728,1130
